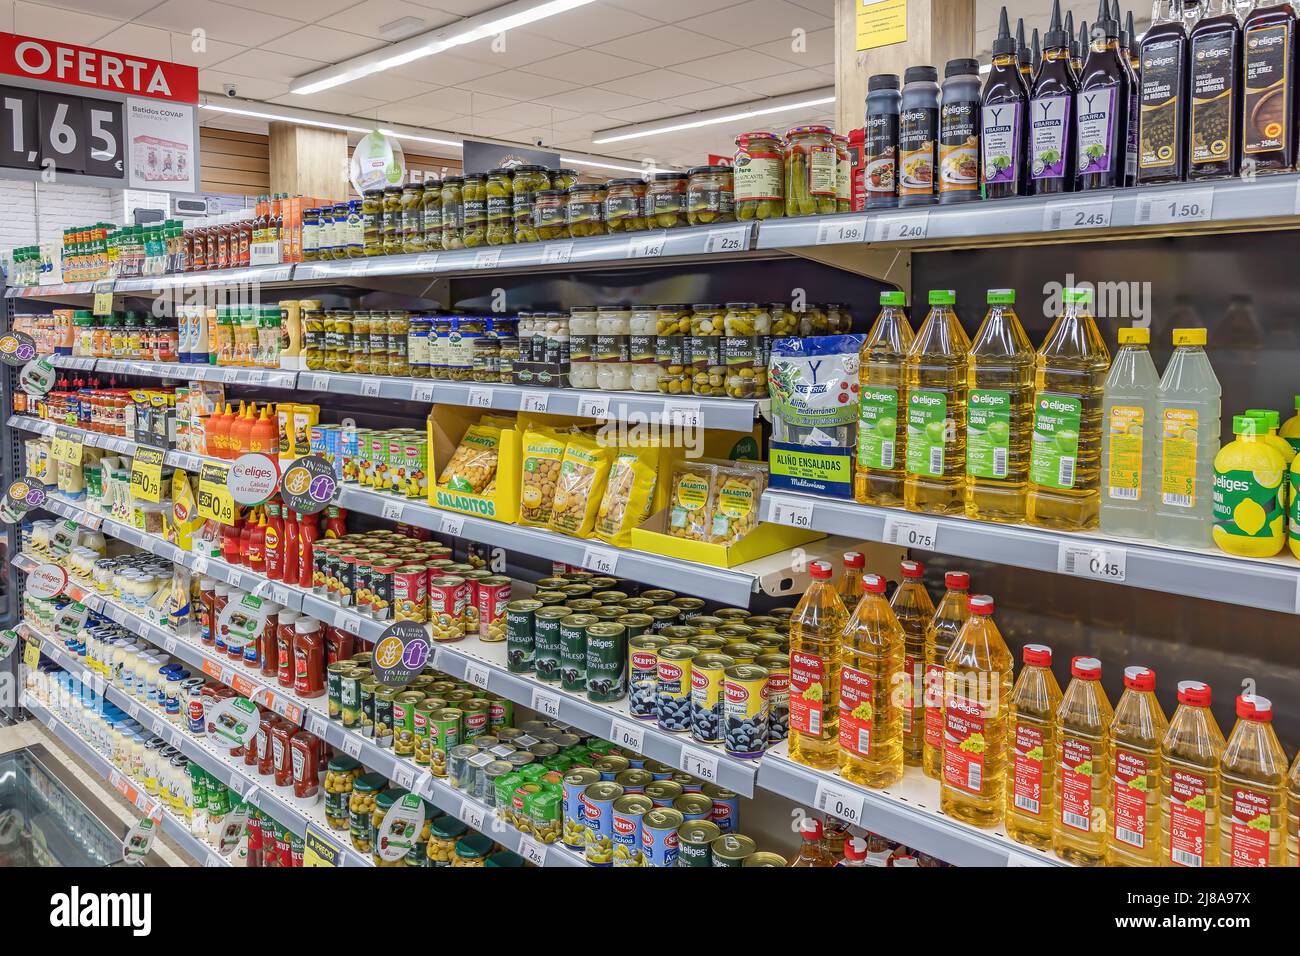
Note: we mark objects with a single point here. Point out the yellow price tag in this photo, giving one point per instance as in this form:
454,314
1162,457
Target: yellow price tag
146,474
318,849
66,447
215,501
32,653
104,298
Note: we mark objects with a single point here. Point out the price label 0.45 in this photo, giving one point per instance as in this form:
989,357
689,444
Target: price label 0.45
1100,562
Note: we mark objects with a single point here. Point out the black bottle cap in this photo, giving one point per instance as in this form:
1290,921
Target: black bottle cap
1085,40
1035,48
920,74
1055,36
1074,37
962,66
1022,48
1128,36
1107,25
1004,44
882,81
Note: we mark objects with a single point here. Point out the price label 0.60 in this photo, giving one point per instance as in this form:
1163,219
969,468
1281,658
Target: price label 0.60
840,801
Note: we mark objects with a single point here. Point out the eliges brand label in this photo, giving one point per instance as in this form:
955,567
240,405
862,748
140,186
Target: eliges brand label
1160,126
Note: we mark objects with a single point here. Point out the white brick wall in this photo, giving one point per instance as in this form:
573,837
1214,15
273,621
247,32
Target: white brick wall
36,212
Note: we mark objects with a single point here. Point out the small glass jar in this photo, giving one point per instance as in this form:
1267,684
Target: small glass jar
509,355
843,174
472,851
784,322
526,183
839,318
487,360
710,197
342,235
641,350
361,807
338,332
666,201
392,220
708,374
811,170
586,210
500,222
453,212
413,217
583,327
431,214
758,176
310,247
625,205
610,350
444,832
473,191
564,179
671,346
383,803
465,332
359,347
313,340
418,346
372,224
439,348
747,328
814,321
340,776
397,332
550,214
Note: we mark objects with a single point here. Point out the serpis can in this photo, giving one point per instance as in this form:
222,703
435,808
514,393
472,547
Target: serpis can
707,672
643,665
745,726
659,836
673,688
778,695
576,782
726,807
598,817
628,812
694,806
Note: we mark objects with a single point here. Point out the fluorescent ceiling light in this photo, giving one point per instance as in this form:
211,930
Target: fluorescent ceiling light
575,161
489,24
725,114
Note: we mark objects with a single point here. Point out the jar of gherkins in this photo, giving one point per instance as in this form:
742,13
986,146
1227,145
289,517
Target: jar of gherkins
338,336
372,221
310,234
361,807
342,235
550,214
313,340
625,205
784,322
500,220
453,212
413,217
473,191
439,365
431,214
392,220
759,176
708,374
710,196
359,344
843,174
527,182
666,201
465,332
397,328
811,170
417,346
564,179
586,211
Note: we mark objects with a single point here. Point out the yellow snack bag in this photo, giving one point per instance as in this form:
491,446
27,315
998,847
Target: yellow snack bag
629,494
690,506
184,515
543,450
736,492
583,471
474,463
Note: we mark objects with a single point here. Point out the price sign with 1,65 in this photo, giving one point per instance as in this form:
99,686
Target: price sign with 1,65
308,485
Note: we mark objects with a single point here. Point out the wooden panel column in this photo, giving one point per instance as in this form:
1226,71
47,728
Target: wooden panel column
937,31
309,161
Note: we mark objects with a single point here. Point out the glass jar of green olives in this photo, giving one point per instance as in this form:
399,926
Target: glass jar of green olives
439,348
759,176
473,192
500,223
564,179
625,205
465,332
359,344
586,211
666,201
310,234
641,354
392,220
746,328
710,198
839,318
413,217
843,174
811,170
674,364
814,321
453,212
527,182
431,214
313,340
708,374
342,234
372,216
550,214
417,346
509,355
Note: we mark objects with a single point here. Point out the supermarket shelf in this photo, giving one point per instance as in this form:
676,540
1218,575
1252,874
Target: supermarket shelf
1270,583
172,825
56,290
278,273
113,443
270,378
907,812
80,362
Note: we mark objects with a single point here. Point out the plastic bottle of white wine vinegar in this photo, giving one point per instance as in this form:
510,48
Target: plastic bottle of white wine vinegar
1129,440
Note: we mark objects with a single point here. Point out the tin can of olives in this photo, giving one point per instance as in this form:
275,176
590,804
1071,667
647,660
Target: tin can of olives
637,605
778,695
350,695
709,643
576,781
689,606
573,651
765,858
493,595
477,720
744,652
661,771
411,593
746,717
421,716
551,584
610,597
643,665
611,765
546,642
444,733
347,567
501,713
629,809
634,780
549,598
707,623
761,622
520,644
695,841
726,807
663,615
609,612
673,688
382,576
334,687
636,624
732,849
663,792
320,557
659,836
707,674
583,605
606,662
602,582
578,591
658,595
383,725
404,705
694,806
678,633
735,633
369,688
598,817
732,615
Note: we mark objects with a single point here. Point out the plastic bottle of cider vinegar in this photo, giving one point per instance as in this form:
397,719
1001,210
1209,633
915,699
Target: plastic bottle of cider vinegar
815,630
1252,789
1083,734
935,374
1031,778
1190,760
976,717
949,618
1134,769
882,409
999,415
914,609
871,671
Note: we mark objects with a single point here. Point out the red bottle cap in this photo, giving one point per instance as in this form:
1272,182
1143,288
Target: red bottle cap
980,604
810,828
820,570
873,584
912,569
1139,678
1037,655
854,559
1254,707
1085,668
855,849
956,580
1194,693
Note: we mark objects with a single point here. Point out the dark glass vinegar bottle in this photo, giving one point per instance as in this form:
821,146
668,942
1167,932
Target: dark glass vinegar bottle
1004,106
1079,48
1162,97
1130,152
1101,113
1024,56
1051,114
1268,128
1035,58
1214,126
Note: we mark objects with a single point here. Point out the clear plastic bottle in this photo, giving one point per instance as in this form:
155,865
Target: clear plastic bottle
1190,757
976,716
1031,779
850,585
1293,814
935,374
1082,794
1252,789
999,416
1134,769
1249,517
871,669
812,852
949,618
882,410
815,629
1065,461
914,609
1129,453
1188,409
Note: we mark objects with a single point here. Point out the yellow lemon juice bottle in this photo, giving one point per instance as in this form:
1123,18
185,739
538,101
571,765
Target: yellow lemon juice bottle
914,609
815,629
1083,735
1190,757
1290,429
871,674
1031,779
935,375
1134,769
1249,517
882,414
1188,409
948,620
1252,789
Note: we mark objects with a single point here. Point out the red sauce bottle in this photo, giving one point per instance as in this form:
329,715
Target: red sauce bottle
257,544
335,522
307,535
273,542
281,760
308,658
246,525
264,765
277,662
289,559
230,542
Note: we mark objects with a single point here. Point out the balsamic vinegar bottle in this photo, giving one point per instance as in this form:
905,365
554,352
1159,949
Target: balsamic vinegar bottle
1084,42
1004,106
1214,127
1101,114
1162,97
1051,114
1076,54
1131,149
1268,135
1035,57
1024,57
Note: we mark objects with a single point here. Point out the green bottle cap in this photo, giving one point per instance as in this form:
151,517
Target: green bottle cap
1297,403
1002,297
1270,418
1245,425
900,298
1078,296
943,297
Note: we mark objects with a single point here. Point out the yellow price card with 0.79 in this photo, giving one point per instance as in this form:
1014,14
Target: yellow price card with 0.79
146,474
215,501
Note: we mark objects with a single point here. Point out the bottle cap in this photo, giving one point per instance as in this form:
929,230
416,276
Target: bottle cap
1245,425
820,570
1078,296
1037,655
882,81
962,66
956,580
1270,418
980,604
1134,336
920,74
1254,707
1194,693
1139,678
810,828
1005,43
942,297
1002,297
893,298
1085,668
854,559
873,584
1297,403
855,848
912,569
1189,336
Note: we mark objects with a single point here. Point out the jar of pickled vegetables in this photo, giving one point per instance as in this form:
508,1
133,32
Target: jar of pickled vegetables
372,221
506,361
431,214
473,191
342,248
413,217
666,201
759,176
784,322
500,221
811,171
814,321
641,354
582,340
564,179
465,332
359,344
839,318
397,329
417,346
708,374
487,360
439,359
338,340
392,220
625,205
843,174
550,214
710,197
361,807
443,834
610,350
472,850
453,212
313,340
586,211
527,182
340,775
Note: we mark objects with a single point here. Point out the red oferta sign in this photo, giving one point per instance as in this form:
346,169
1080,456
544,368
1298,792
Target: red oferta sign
57,62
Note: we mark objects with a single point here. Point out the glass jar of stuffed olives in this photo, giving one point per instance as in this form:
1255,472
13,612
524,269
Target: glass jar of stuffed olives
811,171
550,214
413,217
814,321
759,176
372,215
527,182
473,191
625,205
839,318
359,343
453,212
746,330
313,339
843,174
431,214
586,211
641,354
487,361
674,364
500,224
665,201
708,374
564,179
392,220
710,197
583,327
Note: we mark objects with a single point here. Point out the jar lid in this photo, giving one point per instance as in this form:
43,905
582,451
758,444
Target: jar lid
392,189
529,168
668,177
501,171
551,193
707,170
447,827
809,131
453,180
630,181
343,764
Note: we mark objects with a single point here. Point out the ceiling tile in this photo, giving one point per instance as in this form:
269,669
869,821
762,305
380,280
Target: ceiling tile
671,11
321,43
644,113
267,65
665,46
815,49
592,24
712,99
732,67
516,48
450,100
663,84
52,23
520,85
305,11
386,87
793,82
757,21
368,16
589,66
211,52
462,8
825,7
120,9
217,21
591,100
444,70
532,114
417,115
332,101
495,128
140,41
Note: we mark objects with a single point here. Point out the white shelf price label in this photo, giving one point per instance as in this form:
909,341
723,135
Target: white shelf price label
1097,561
700,763
176,739
734,239
646,247
793,514
422,393
472,813
391,511
1182,205
601,560
316,383
424,785
370,388
546,704
557,253
682,414
404,775
593,406
237,783
349,622
628,735
280,595
487,258
911,532
906,228
426,263
169,645
230,376
479,398
478,675
316,724
1015,858
842,230
1078,214
352,746
841,801
534,401
451,524
532,851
